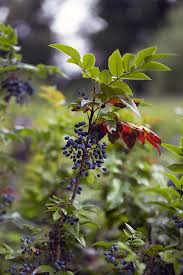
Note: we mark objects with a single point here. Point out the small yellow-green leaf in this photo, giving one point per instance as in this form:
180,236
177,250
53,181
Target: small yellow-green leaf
141,55
155,66
123,86
73,53
115,63
56,216
88,61
105,77
128,61
136,76
174,179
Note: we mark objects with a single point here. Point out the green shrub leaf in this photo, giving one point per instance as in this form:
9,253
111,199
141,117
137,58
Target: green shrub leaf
155,66
73,53
115,64
88,61
136,76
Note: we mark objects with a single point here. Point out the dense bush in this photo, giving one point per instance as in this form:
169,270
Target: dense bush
113,212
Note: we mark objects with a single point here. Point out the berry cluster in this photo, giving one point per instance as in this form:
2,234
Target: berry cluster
26,269
113,256
59,265
70,220
82,95
16,88
6,201
86,152
57,238
12,270
178,221
26,244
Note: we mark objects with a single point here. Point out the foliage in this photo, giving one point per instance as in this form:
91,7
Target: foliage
66,221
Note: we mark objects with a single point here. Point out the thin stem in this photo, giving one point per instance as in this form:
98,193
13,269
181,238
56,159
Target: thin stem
78,176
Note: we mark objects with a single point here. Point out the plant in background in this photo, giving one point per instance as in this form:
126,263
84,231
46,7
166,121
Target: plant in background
53,241
15,76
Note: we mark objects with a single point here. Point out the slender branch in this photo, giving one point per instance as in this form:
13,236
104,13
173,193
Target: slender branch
78,175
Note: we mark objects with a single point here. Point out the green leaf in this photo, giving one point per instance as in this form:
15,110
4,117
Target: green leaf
141,55
110,91
168,256
155,66
105,77
123,86
162,204
56,216
115,64
92,73
130,228
44,268
153,250
73,53
174,179
5,249
81,240
160,55
128,61
178,168
103,244
137,243
88,61
136,76
174,149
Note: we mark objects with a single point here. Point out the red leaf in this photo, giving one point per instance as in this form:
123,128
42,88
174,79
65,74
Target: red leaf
98,131
128,133
113,136
115,101
152,138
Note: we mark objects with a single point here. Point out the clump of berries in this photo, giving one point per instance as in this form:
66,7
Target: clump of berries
178,221
16,88
86,151
6,201
114,257
72,220
57,238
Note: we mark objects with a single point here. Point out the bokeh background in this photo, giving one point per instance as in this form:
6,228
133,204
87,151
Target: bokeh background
100,26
